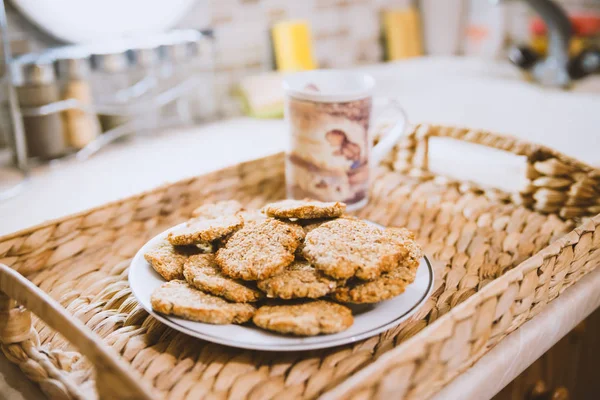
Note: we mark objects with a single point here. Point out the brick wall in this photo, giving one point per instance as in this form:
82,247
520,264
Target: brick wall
345,33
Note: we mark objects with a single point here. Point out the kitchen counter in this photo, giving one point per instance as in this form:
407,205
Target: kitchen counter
566,121
450,91
140,164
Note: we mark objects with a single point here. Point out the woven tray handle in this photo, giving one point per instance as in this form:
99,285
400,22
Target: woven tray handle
556,183
113,378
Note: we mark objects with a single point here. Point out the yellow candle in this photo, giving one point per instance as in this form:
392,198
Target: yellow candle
402,32
292,44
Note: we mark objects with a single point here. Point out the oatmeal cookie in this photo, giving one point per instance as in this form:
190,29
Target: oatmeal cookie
168,260
180,299
407,238
346,248
218,209
389,284
260,250
309,225
298,280
304,209
305,319
201,230
203,273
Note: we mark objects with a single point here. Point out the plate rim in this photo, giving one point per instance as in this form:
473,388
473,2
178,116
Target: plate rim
288,347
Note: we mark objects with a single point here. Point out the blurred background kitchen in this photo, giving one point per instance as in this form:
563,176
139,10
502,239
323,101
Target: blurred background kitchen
103,99
89,75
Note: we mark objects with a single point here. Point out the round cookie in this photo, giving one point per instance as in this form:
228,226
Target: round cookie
306,319
201,230
412,260
298,280
346,248
390,284
304,209
168,260
260,250
202,272
218,209
180,299
308,225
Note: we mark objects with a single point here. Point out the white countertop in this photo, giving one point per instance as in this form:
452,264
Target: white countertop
451,91
141,164
443,91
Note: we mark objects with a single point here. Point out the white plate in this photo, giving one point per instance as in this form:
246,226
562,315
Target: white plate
368,320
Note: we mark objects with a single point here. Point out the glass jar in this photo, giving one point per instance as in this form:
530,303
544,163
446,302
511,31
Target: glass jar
177,81
81,122
110,86
203,101
36,85
145,72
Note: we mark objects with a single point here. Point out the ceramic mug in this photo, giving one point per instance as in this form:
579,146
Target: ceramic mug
331,153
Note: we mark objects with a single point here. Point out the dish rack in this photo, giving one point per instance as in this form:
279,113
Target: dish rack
499,259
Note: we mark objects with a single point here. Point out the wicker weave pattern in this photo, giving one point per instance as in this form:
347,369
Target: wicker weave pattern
419,368
82,261
556,183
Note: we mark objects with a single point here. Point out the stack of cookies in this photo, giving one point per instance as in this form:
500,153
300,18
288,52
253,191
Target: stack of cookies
287,268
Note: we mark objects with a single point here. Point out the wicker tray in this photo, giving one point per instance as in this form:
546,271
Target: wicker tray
499,259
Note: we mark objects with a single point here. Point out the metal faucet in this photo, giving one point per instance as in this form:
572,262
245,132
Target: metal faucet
553,71
557,69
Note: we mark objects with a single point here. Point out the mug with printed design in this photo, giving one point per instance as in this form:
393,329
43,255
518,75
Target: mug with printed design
331,151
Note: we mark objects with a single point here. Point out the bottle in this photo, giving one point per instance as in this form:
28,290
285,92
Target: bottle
144,59
204,104
81,126
110,84
486,29
178,76
36,85
443,26
173,74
